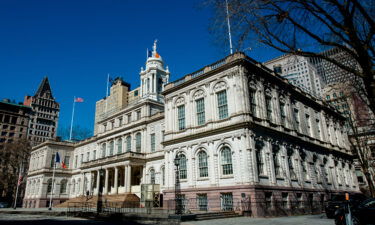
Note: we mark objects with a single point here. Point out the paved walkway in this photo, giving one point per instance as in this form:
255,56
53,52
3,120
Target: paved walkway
291,220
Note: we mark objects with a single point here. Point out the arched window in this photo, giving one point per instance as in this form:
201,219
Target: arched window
103,149
63,185
138,142
202,164
276,163
183,169
49,186
73,186
163,175
128,143
222,104
226,161
152,176
119,145
111,146
78,186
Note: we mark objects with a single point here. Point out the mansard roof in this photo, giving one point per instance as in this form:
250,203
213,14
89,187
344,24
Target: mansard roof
43,88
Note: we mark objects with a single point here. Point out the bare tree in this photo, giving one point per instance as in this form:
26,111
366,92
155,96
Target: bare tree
305,27
78,133
13,158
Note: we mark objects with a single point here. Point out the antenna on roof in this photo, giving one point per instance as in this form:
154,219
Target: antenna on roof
229,33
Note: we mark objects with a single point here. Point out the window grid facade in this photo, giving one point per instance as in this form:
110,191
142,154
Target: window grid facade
282,114
138,142
202,164
253,103
152,176
152,142
222,104
200,111
226,201
269,108
111,145
202,202
260,164
276,164
181,117
183,169
226,161
119,146
128,143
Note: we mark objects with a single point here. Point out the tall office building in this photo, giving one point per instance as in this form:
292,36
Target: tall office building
14,121
43,122
299,71
330,72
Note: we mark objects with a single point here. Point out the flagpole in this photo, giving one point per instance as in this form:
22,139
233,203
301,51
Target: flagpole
18,184
53,185
71,122
229,33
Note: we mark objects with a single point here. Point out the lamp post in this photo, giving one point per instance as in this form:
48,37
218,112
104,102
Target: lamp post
99,204
177,189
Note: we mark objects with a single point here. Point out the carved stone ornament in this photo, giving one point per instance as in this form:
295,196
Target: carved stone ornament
220,86
198,94
180,101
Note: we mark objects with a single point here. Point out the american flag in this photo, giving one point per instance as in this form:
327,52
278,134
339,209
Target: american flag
19,180
78,100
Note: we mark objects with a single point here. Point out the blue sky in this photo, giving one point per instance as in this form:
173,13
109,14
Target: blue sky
76,43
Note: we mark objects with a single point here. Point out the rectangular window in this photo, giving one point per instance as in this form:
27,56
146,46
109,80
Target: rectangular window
94,155
222,104
259,162
282,114
181,117
276,164
299,200
128,144
129,117
226,201
138,114
202,202
253,103
296,119
87,156
284,203
67,161
200,111
76,161
269,108
81,161
138,142
268,199
53,160
152,142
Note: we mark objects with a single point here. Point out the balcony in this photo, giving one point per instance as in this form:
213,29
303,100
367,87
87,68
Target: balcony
135,156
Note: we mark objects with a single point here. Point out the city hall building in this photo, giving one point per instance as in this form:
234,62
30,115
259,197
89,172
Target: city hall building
241,132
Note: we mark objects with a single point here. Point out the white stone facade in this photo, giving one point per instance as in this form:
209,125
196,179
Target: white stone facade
242,132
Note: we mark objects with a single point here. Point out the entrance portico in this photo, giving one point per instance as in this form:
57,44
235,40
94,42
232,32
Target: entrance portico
118,179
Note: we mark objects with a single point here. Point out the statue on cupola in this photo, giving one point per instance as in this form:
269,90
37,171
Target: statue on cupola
154,76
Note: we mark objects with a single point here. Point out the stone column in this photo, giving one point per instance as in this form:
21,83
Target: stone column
97,181
106,182
116,180
143,180
128,170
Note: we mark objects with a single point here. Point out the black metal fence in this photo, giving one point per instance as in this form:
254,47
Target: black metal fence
262,208
75,208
